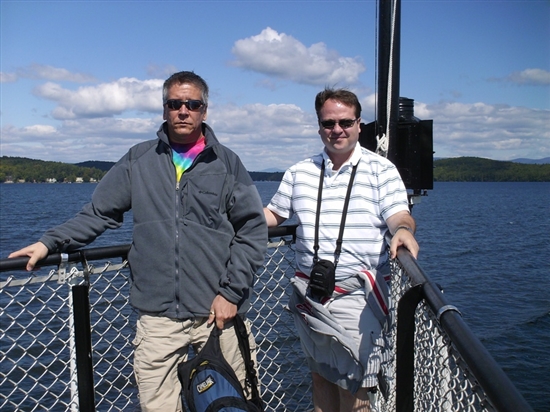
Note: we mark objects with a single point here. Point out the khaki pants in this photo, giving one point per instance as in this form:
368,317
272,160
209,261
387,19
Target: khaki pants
162,343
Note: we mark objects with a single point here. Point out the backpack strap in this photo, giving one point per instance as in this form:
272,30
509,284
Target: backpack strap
251,376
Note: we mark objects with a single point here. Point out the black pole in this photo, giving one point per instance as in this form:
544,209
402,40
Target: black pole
388,16
384,19
404,371
83,345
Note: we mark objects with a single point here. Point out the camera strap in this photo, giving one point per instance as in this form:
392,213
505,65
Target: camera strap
344,213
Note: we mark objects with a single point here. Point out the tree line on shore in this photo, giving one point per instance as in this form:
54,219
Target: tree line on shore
23,170
459,169
476,169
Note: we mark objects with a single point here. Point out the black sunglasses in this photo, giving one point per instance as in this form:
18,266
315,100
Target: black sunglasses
344,123
175,104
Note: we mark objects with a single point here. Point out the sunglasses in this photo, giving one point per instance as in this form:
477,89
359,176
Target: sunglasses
193,105
344,123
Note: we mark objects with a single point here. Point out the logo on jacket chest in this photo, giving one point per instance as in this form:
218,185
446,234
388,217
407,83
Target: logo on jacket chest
206,192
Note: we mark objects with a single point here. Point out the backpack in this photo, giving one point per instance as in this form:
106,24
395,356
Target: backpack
209,383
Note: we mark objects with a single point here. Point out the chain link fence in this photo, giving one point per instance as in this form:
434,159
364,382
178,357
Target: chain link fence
37,371
442,380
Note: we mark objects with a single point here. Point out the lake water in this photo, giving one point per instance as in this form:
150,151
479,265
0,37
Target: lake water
486,244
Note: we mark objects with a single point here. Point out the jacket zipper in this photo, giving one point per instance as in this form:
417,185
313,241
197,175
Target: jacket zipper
178,206
177,247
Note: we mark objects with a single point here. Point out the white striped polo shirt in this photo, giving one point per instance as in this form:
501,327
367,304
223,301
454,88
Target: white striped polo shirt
378,193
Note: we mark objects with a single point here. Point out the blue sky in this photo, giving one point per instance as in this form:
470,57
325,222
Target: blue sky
81,80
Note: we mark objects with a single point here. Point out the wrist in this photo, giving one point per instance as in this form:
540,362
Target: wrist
404,228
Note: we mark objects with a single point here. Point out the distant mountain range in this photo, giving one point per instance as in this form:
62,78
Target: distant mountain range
532,161
458,169
523,160
107,165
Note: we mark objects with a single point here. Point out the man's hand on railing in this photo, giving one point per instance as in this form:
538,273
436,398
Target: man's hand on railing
406,239
37,251
402,226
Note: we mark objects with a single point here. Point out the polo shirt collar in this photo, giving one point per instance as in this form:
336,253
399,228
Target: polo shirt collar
352,161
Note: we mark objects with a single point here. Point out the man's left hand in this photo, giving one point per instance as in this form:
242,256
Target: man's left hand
404,238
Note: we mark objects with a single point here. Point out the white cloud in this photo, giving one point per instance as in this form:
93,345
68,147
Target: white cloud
103,100
79,140
108,128
38,130
163,72
264,136
40,71
531,77
527,77
8,77
44,72
284,57
493,131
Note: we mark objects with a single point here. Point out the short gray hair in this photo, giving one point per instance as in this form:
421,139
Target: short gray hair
186,77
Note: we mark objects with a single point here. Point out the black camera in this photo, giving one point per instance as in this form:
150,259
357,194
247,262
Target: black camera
321,279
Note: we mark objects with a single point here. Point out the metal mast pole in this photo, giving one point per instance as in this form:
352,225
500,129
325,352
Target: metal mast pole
389,44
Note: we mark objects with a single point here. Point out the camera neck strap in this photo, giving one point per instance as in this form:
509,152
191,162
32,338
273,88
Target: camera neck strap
344,213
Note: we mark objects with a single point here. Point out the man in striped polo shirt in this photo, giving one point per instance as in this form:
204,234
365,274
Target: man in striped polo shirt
345,369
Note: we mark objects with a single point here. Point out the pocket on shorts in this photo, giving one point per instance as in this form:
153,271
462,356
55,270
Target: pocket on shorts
140,334
251,338
137,339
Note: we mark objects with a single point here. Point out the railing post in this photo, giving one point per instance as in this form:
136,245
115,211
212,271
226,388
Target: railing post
83,344
404,374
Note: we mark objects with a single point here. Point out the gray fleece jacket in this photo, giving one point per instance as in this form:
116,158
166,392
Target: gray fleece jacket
192,239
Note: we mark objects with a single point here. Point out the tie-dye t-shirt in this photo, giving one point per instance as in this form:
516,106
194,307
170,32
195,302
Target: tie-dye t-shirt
184,154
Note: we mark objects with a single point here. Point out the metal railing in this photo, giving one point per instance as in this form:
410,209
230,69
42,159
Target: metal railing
440,364
65,339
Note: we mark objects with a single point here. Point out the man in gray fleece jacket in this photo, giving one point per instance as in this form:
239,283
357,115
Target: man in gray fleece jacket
199,236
